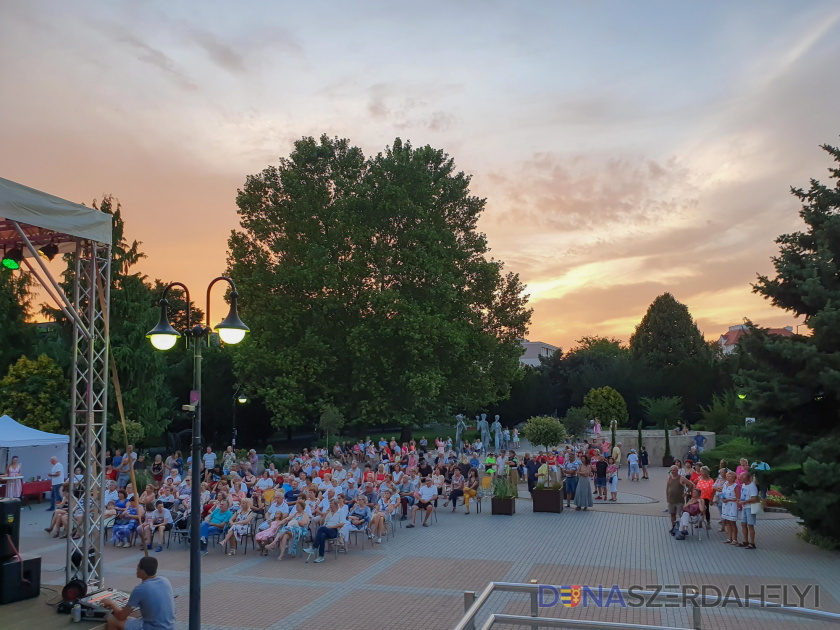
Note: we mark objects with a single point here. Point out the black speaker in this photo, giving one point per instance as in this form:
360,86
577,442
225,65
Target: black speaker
17,584
9,528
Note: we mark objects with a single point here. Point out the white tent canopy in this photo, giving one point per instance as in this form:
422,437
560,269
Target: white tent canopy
34,448
14,434
48,219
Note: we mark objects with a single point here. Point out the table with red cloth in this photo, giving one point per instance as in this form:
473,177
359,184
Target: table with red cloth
36,488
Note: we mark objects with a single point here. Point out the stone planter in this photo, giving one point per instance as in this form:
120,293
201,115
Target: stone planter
503,506
547,500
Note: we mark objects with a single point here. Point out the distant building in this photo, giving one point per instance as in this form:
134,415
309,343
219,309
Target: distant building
729,340
534,350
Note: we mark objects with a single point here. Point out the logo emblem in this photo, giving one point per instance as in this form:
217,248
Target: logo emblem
570,596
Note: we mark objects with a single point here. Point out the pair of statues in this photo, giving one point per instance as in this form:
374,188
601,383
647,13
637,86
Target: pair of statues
483,427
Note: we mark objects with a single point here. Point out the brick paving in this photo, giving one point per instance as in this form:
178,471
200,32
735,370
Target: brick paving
417,579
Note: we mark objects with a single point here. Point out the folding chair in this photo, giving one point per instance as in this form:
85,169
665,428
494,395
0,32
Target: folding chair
337,544
697,522
484,490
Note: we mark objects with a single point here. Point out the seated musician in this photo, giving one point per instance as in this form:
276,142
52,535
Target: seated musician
153,597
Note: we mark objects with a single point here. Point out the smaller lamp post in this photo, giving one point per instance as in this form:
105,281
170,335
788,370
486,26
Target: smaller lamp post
240,398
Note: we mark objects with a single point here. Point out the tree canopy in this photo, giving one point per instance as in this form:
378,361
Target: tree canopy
367,286
16,335
792,384
35,393
667,336
606,405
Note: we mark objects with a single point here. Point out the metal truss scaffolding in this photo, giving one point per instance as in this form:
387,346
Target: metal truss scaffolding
89,400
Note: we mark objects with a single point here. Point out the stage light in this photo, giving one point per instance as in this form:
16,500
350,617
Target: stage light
13,258
232,330
49,251
163,336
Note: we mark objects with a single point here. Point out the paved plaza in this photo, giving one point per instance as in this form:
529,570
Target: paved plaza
416,580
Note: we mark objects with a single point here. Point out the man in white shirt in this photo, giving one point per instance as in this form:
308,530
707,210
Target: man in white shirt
209,459
333,522
428,493
57,477
339,474
111,493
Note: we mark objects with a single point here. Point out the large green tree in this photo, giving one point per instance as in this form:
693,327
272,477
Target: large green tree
35,393
667,335
792,384
367,286
16,334
144,372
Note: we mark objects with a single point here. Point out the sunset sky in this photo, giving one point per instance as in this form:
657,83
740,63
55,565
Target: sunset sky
624,148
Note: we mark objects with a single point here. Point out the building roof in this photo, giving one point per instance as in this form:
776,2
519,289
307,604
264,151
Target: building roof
734,334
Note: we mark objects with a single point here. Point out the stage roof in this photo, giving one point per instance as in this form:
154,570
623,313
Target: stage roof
48,219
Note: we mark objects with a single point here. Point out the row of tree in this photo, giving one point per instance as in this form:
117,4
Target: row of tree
666,369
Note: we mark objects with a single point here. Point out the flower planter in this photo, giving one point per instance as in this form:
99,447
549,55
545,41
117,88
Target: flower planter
667,461
547,500
503,506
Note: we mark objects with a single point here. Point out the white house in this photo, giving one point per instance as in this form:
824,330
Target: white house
534,350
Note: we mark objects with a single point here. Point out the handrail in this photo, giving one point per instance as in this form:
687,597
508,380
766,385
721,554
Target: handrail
474,604
551,622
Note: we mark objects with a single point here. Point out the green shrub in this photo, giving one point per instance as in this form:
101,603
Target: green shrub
504,488
732,451
268,457
576,421
544,431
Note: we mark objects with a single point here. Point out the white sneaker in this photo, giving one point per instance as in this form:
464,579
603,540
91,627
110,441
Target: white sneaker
309,550
319,559
379,540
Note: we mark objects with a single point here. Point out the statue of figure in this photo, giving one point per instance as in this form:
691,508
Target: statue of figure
497,433
485,432
460,427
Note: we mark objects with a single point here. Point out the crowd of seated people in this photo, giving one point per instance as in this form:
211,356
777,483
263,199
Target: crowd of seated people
362,489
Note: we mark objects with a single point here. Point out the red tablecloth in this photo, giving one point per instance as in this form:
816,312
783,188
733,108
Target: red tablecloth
36,488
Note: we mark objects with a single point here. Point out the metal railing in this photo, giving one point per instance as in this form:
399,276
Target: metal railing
473,605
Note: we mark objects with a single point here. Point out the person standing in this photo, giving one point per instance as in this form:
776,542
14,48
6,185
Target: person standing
570,471
153,596
57,477
616,455
14,486
531,469
601,477
583,496
675,493
700,442
209,460
749,500
633,465
730,497
645,460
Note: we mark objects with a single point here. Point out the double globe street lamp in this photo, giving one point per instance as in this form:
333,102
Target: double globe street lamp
231,330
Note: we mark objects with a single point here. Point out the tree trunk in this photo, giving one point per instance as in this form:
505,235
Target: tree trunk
405,434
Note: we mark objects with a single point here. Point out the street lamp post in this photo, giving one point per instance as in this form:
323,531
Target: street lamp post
241,399
163,337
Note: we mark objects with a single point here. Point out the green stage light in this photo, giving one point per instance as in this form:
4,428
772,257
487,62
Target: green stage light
13,258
